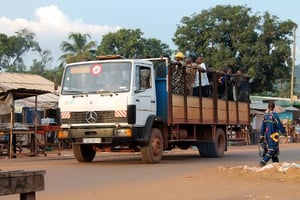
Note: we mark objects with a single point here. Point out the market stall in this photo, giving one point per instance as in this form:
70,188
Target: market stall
15,87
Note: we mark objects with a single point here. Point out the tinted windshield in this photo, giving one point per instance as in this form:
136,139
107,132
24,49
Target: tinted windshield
97,78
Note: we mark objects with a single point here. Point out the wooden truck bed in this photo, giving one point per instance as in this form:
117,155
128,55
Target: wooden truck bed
201,111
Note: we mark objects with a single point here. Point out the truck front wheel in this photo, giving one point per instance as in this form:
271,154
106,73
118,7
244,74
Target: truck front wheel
83,152
152,153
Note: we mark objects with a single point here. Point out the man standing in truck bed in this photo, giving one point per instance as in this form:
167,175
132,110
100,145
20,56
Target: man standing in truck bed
200,66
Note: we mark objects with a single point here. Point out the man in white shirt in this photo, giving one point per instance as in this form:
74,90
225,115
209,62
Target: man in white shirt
200,66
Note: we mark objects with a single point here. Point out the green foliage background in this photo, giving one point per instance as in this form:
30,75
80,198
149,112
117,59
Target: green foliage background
227,36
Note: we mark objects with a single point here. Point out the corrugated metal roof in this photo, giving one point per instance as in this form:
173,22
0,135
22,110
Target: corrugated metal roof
259,106
291,108
24,85
264,106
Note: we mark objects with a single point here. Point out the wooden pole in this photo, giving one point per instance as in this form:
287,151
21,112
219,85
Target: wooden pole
11,132
293,63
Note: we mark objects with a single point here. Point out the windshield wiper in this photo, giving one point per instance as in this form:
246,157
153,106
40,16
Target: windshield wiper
81,94
72,92
75,93
106,93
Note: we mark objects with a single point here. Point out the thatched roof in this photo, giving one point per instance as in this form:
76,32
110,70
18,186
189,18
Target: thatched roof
47,101
24,85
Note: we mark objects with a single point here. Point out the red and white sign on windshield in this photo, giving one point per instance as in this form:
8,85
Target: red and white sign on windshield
96,69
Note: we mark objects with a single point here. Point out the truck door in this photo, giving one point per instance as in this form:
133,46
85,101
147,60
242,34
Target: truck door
145,94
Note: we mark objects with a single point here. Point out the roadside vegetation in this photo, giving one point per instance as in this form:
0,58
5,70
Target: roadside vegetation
227,36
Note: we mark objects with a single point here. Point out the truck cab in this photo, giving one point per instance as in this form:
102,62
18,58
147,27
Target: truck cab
106,103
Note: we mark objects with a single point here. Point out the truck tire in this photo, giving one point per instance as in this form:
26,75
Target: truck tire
83,152
214,149
152,153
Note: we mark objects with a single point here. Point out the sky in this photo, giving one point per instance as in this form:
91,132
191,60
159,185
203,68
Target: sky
53,20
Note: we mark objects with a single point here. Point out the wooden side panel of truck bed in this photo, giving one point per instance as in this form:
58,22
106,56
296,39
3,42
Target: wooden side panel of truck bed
193,110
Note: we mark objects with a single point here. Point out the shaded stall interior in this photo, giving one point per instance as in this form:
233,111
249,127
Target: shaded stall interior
16,88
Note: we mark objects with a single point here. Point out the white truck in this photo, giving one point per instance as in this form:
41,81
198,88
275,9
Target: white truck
115,104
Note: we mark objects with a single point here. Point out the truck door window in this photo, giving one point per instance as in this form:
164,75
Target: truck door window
143,78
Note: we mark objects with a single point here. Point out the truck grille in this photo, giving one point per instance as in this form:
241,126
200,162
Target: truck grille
102,117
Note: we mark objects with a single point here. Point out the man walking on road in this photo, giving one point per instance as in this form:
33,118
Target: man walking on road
269,132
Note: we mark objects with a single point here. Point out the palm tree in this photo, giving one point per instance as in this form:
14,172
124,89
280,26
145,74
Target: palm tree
79,49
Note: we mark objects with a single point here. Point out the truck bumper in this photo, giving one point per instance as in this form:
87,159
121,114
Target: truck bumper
105,136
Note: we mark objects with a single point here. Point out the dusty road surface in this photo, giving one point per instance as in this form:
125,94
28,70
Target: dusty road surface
180,175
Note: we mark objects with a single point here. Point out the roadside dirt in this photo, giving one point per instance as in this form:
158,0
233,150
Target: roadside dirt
222,183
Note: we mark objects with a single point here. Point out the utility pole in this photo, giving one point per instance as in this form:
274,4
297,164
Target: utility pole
293,63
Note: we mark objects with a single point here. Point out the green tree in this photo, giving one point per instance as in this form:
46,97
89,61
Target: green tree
78,49
231,36
54,75
273,53
131,44
155,48
13,48
39,66
5,52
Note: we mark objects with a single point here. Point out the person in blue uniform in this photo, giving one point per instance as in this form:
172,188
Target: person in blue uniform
269,132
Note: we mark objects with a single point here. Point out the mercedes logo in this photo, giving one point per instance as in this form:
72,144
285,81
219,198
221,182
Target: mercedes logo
91,117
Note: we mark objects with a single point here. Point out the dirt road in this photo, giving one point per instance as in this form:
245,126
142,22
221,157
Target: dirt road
180,175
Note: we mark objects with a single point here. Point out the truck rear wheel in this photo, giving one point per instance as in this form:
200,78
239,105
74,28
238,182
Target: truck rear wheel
215,148
83,152
152,153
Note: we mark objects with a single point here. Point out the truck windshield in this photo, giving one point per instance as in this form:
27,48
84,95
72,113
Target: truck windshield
105,77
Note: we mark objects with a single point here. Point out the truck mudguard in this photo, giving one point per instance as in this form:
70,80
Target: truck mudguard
148,126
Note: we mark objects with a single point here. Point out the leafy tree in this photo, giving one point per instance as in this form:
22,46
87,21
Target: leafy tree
273,58
78,49
155,48
125,42
231,36
13,48
39,67
131,44
54,75
5,52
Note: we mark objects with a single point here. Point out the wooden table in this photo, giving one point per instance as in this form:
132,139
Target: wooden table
25,183
44,129
32,131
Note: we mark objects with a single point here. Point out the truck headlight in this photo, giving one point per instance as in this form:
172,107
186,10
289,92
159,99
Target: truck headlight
124,132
